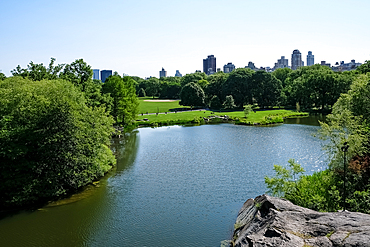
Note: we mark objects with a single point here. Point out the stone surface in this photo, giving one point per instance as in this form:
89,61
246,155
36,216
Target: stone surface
271,221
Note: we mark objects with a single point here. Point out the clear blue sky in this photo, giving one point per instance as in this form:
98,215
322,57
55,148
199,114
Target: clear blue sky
140,37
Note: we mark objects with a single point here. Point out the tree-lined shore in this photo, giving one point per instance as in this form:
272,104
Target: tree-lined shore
56,122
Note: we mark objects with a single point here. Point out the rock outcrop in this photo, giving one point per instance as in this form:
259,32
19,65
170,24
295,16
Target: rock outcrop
270,221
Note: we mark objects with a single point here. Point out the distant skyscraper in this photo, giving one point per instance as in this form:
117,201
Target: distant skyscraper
178,74
104,74
296,60
96,74
323,63
229,67
162,73
251,66
209,65
281,63
310,59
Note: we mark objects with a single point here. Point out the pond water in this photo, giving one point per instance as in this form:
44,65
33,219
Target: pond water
173,186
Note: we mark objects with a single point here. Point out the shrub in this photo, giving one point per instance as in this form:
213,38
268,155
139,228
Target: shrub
51,143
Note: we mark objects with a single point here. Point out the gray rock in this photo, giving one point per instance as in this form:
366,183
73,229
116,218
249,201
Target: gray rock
271,221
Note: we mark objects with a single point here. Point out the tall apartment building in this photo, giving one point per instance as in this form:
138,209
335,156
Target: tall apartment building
281,63
178,74
96,74
104,74
162,73
251,66
296,60
229,67
310,59
209,65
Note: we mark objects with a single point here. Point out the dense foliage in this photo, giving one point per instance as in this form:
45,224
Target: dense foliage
51,142
56,123
125,101
349,124
314,87
192,95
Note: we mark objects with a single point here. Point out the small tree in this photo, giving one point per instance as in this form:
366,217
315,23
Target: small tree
229,102
215,102
247,110
142,92
284,180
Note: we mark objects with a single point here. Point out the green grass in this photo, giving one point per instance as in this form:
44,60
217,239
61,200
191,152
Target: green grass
197,117
153,107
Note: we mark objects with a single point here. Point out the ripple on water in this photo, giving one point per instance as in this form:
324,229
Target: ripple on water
174,186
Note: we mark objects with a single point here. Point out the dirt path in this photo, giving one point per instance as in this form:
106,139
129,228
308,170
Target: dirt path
160,100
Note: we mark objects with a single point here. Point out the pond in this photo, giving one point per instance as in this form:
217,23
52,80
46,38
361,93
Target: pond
173,186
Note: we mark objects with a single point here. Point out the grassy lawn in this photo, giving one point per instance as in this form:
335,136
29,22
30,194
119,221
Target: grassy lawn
153,107
197,117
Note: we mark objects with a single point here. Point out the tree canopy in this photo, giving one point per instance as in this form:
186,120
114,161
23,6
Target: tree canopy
194,77
364,68
239,85
51,142
192,95
125,101
316,86
267,89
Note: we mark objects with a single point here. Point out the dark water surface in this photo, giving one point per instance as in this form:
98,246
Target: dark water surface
173,186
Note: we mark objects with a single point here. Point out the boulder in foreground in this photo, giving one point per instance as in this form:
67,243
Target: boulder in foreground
271,221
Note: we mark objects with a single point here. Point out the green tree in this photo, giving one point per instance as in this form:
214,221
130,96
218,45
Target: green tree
247,109
239,85
142,92
192,95
152,86
284,180
215,103
316,86
79,73
282,74
51,143
214,88
2,76
267,89
170,89
38,72
349,122
364,68
125,101
18,71
52,71
203,83
194,77
229,102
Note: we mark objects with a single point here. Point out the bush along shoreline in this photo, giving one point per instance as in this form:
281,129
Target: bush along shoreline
208,117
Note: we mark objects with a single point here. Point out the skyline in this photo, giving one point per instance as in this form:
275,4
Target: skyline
139,38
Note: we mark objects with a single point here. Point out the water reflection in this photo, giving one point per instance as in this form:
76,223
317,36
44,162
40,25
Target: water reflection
312,120
173,186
